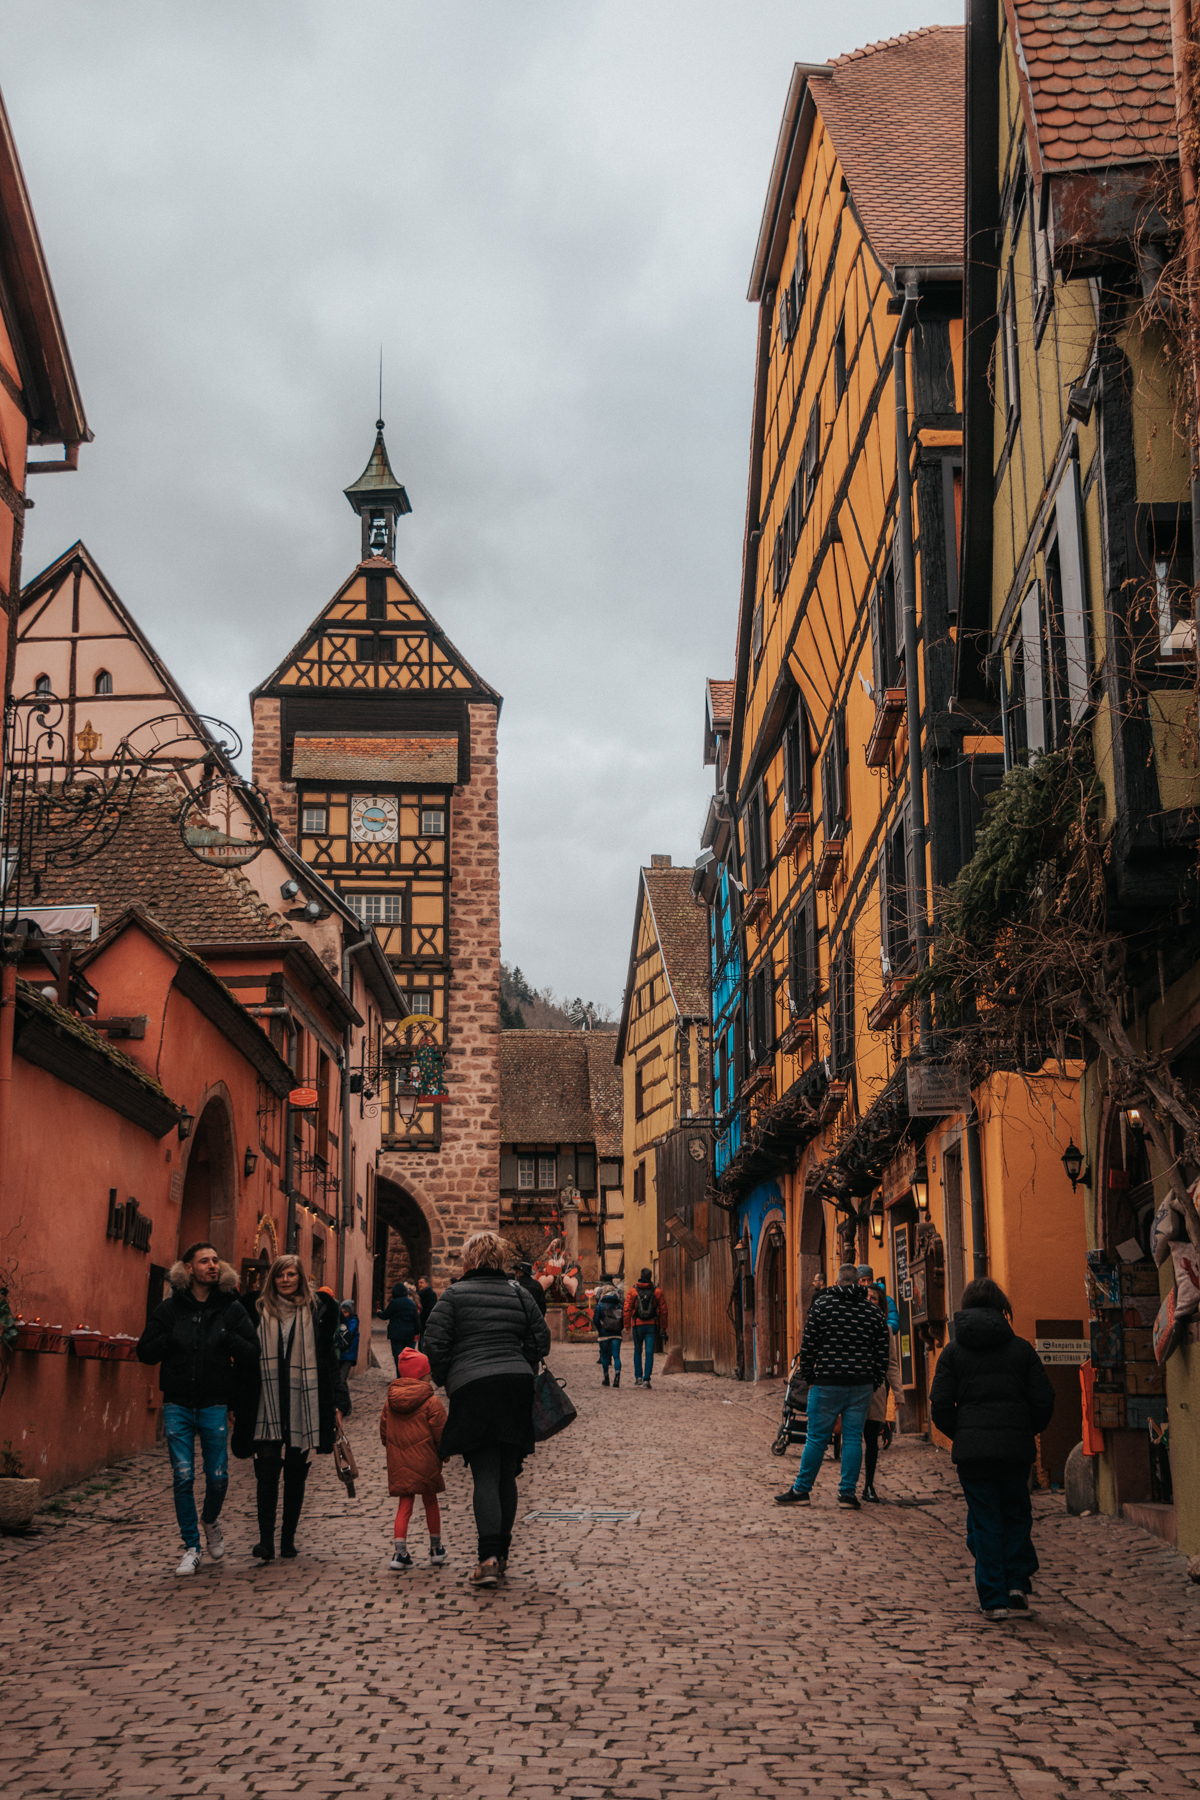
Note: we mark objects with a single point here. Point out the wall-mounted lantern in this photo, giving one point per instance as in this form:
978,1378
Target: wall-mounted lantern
185,1124
1072,1162
249,1162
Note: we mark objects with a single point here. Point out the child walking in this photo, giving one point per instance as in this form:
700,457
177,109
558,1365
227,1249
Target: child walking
410,1427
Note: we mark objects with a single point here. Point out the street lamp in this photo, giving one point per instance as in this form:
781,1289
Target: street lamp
184,1126
249,1162
407,1095
1072,1162
920,1189
877,1222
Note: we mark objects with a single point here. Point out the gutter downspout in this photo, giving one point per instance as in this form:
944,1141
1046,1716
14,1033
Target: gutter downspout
347,1217
908,576
1185,127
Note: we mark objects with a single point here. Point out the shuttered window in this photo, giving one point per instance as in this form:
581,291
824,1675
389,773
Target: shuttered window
639,1095
842,1008
795,762
812,454
1073,601
833,784
895,889
839,362
802,959
887,632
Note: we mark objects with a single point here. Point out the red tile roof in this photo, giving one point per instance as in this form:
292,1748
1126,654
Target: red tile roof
147,865
1098,80
895,111
682,927
720,700
560,1087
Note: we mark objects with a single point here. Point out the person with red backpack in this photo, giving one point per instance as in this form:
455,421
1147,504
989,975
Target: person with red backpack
646,1312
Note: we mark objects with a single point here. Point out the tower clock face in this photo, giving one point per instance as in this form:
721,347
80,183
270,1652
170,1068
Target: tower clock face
374,820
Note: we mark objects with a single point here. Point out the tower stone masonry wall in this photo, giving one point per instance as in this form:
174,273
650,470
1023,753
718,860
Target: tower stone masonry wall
267,760
460,1182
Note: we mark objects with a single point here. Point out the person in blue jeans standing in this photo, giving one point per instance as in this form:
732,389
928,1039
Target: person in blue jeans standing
646,1312
200,1336
844,1358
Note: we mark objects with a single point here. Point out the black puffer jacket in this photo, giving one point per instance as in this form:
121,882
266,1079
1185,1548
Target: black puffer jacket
484,1325
845,1342
990,1394
202,1346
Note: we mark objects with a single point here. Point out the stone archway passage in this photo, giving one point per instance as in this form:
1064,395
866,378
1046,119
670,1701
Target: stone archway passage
209,1184
403,1240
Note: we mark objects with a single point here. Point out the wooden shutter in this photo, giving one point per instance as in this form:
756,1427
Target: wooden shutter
508,1171
639,1094
754,862
885,917
764,827
878,647
812,451
800,974
909,856
1034,670
827,808
1074,589
810,951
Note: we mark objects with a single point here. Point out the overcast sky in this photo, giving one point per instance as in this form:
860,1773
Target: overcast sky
545,211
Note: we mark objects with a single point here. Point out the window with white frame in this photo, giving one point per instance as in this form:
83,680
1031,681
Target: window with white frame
314,820
377,909
526,1173
433,822
420,1001
547,1170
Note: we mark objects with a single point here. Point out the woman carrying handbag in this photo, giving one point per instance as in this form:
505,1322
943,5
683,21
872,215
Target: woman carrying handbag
295,1413
484,1339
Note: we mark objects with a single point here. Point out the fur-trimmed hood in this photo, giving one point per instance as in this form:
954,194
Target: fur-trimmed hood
180,1279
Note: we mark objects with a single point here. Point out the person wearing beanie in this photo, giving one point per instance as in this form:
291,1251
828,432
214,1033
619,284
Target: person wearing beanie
646,1312
844,1358
608,1322
410,1429
866,1277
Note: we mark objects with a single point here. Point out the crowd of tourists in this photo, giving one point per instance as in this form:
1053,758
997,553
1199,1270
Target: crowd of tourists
280,1365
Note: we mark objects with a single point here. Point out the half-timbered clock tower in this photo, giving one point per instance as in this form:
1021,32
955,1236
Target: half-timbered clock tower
375,741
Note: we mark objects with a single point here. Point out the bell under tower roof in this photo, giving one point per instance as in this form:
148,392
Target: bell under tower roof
379,499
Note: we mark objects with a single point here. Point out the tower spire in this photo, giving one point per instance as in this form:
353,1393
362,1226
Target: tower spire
377,497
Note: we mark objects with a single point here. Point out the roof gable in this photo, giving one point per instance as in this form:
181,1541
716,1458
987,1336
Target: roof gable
406,650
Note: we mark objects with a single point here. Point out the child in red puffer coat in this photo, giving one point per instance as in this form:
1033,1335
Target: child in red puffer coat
410,1428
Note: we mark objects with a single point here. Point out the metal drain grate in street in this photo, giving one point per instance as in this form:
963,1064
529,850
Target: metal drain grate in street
603,1515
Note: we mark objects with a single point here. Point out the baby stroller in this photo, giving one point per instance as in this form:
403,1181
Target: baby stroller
793,1427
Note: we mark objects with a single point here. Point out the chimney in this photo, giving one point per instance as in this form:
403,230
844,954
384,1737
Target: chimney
660,862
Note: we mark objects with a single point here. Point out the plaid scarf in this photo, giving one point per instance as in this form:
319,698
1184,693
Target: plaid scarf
289,1354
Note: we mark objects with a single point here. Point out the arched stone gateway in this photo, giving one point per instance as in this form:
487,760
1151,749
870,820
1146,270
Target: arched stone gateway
209,1200
410,1238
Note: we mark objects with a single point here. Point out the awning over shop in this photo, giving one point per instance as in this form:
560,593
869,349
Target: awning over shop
391,759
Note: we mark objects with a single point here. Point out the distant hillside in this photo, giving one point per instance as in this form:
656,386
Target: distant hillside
523,1006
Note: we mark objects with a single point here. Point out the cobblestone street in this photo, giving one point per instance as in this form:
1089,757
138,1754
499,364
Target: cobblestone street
715,1645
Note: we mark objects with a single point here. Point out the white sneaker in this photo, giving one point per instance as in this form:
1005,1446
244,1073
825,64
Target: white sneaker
214,1539
191,1562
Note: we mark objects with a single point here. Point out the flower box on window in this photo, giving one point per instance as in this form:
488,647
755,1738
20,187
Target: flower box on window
55,1341
798,1032
889,710
85,1342
831,1102
757,901
798,827
756,1081
30,1333
890,1003
831,858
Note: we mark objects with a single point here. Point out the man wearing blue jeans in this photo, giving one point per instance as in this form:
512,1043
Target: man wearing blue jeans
200,1336
646,1312
844,1358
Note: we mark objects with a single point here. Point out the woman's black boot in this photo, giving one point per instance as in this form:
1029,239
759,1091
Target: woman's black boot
266,1478
295,1474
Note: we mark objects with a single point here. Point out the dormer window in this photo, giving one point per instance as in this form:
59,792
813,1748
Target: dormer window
103,681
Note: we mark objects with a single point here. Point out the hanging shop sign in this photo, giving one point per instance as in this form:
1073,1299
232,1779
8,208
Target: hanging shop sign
935,1089
304,1099
127,1224
221,825
1068,1351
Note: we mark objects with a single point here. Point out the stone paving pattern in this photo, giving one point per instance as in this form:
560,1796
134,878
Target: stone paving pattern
719,1646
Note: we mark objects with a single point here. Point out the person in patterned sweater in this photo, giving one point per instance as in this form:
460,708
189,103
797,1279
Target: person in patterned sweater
844,1358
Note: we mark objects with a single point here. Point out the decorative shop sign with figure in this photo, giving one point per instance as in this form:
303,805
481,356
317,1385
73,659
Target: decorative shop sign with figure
218,826
127,1224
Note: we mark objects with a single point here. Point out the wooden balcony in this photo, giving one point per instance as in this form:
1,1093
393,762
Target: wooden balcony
757,902
827,868
890,1004
831,1102
798,1033
889,710
798,827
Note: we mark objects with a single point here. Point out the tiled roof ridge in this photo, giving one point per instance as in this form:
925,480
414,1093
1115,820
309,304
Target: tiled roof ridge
891,43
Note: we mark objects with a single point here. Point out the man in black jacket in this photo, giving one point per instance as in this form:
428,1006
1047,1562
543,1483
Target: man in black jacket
991,1397
844,1358
199,1336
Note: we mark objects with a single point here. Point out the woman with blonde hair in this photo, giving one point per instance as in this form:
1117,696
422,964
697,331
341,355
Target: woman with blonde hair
484,1339
297,1335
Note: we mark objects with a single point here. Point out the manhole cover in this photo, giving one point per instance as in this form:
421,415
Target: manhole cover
605,1515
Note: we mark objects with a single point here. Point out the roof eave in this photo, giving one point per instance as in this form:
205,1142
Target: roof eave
798,113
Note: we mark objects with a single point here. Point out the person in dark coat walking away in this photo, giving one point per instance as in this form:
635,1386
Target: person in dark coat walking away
533,1287
403,1322
410,1429
646,1311
202,1339
991,1397
484,1339
844,1358
876,1428
347,1342
426,1301
297,1412
608,1319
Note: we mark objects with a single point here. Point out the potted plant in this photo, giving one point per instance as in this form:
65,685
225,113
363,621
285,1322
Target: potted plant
18,1492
